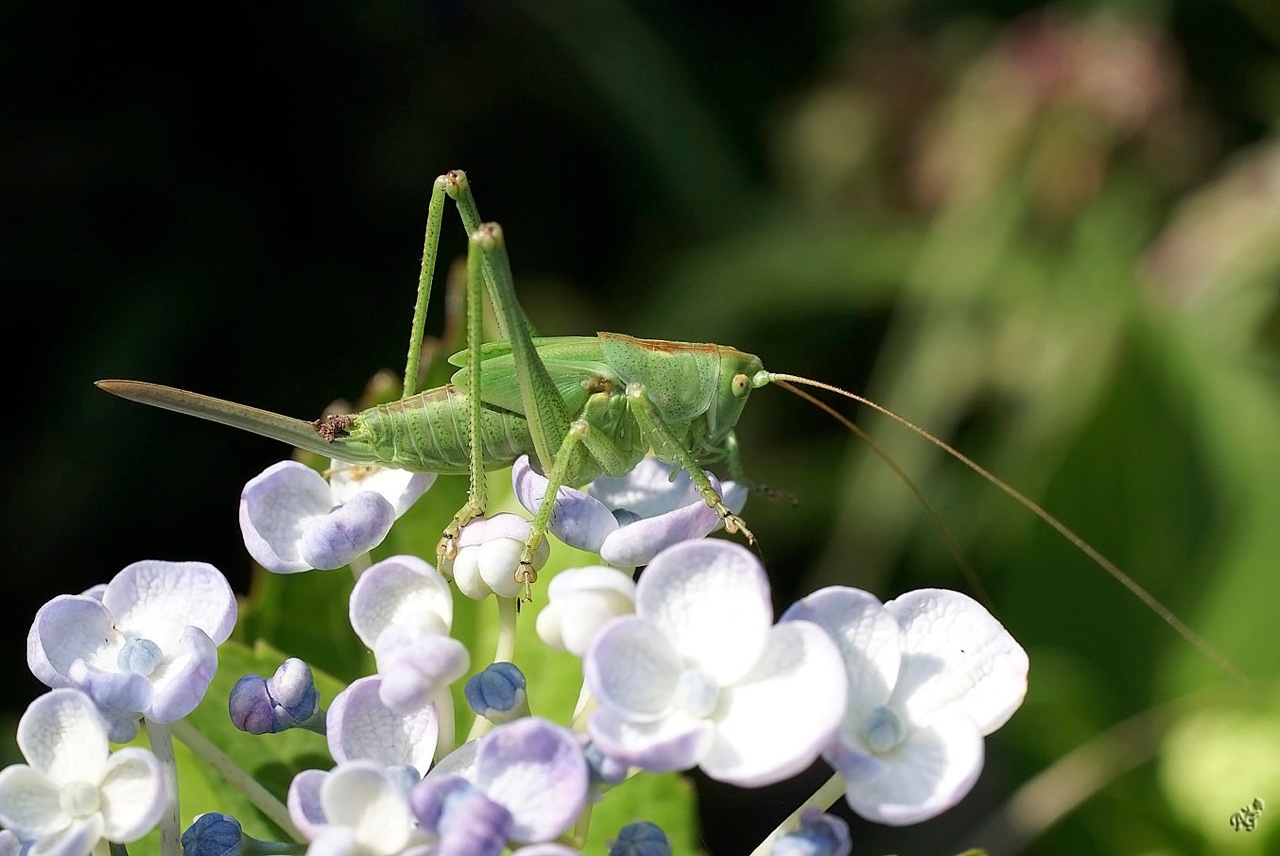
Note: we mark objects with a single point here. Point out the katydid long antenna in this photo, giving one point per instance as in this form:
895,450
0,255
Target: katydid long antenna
789,382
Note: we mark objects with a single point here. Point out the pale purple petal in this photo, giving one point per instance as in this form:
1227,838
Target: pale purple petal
156,600
275,507
414,665
182,679
76,840
536,770
62,736
957,655
579,520
351,530
639,541
925,775
400,590
673,743
868,637
711,599
775,721
360,727
632,668
133,794
30,802
115,693
488,556
69,628
303,802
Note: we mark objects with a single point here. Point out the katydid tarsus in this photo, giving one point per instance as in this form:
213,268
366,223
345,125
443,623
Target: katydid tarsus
580,406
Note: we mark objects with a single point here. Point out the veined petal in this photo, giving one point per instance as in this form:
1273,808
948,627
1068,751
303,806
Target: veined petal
275,507
578,519
711,599
869,639
181,680
156,600
536,771
360,727
75,840
62,736
415,664
303,801
133,793
639,541
955,654
400,590
124,695
335,539
69,628
779,717
30,802
926,774
674,743
632,668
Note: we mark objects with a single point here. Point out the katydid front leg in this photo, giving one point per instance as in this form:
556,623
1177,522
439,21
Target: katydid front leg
667,446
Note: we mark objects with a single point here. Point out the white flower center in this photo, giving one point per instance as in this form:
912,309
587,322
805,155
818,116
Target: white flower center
139,657
696,693
80,799
884,730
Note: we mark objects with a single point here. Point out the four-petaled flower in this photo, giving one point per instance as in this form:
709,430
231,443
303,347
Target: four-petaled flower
73,791
701,676
930,673
294,520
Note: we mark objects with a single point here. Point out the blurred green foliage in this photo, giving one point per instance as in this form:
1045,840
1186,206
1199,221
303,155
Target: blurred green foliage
1051,236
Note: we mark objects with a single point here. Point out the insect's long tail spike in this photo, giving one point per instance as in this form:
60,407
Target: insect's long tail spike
966,567
295,432
787,381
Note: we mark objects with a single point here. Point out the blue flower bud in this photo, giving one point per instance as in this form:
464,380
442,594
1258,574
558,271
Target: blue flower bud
287,699
251,707
294,690
498,693
603,769
640,838
819,835
213,834
139,657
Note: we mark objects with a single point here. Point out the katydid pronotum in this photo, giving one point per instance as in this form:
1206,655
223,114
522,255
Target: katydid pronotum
581,406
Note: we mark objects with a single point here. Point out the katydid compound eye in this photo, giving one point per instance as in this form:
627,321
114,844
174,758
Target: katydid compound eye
741,385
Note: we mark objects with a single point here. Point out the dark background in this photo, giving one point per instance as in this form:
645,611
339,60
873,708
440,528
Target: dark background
231,200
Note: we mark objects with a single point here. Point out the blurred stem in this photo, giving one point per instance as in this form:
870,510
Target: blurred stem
822,799
170,822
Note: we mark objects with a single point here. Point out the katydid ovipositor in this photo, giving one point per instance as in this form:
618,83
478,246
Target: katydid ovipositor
580,406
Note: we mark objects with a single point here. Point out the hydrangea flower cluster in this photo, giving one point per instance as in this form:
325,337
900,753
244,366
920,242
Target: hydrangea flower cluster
682,666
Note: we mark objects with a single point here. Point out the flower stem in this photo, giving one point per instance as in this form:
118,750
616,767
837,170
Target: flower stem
170,822
823,798
506,647
262,799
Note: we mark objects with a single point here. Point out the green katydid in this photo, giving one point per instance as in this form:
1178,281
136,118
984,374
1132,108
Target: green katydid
581,406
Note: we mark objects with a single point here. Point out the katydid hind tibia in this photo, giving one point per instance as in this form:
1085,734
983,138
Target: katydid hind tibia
580,406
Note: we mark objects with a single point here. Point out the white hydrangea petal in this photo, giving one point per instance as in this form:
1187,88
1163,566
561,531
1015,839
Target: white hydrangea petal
334,841
579,606
275,507
133,794
955,653
648,490
399,590
303,802
675,742
415,665
927,774
360,727
578,519
30,802
638,542
775,722
70,628
181,680
869,639
535,770
631,667
62,735
489,553
359,795
335,539
711,599
75,840
399,487
156,600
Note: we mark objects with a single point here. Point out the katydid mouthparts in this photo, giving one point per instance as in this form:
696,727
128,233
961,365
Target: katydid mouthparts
579,406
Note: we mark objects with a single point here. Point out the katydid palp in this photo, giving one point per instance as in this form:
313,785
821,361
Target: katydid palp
580,406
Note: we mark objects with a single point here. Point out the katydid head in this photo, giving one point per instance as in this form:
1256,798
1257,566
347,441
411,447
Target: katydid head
734,381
